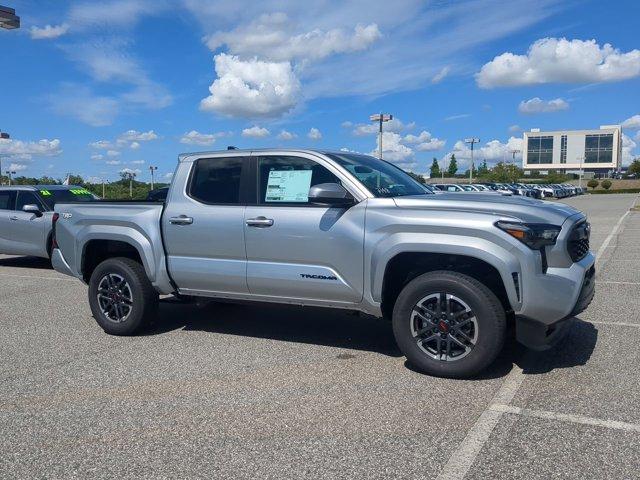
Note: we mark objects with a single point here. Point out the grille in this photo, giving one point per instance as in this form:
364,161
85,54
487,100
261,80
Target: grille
578,244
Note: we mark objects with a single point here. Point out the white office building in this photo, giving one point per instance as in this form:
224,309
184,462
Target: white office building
598,151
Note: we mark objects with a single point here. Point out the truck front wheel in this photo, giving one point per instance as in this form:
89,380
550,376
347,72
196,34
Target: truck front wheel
121,296
449,324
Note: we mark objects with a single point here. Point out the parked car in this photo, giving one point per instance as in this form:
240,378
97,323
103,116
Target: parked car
339,230
158,195
449,187
25,216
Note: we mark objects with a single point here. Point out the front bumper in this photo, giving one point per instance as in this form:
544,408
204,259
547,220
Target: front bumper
541,335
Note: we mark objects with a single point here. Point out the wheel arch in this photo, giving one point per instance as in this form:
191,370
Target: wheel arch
404,266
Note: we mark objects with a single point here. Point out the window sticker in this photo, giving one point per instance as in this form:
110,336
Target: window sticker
80,191
45,193
288,186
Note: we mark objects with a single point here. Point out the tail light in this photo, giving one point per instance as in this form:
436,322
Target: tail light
54,220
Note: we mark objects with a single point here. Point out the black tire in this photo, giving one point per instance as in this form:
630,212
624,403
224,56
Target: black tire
144,299
487,322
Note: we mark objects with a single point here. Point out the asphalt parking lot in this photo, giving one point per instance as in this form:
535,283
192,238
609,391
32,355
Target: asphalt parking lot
237,391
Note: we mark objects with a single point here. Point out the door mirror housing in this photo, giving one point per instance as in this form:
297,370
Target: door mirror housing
32,208
331,194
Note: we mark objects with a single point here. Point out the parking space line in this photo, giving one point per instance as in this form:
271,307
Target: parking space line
465,455
608,282
566,417
621,324
607,240
38,277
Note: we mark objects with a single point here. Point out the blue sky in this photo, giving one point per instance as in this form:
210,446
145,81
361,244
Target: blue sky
96,87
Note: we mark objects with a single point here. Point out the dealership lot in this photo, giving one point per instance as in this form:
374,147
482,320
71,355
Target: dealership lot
238,391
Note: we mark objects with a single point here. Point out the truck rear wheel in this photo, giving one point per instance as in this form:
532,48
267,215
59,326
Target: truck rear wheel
121,296
449,324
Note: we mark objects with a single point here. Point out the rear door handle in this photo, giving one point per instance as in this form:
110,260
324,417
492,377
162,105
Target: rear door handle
181,220
262,222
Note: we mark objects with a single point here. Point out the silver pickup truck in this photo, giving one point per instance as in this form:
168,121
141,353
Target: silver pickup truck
339,230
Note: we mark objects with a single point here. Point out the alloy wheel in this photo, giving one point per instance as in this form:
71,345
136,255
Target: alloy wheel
115,297
444,327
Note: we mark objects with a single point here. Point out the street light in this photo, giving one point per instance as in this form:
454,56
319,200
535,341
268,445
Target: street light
513,154
152,170
3,136
8,18
581,158
380,118
472,141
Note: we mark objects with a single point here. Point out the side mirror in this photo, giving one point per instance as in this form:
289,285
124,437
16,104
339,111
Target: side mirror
32,208
331,194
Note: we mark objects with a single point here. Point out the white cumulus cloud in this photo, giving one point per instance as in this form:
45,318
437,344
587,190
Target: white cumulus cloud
48,31
628,147
558,60
632,122
196,138
136,136
286,135
26,150
314,134
255,132
17,167
251,88
537,105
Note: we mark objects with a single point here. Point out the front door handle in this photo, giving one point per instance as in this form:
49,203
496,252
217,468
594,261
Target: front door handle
262,222
14,217
181,220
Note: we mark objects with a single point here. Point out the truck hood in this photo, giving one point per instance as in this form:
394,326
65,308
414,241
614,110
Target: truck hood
524,209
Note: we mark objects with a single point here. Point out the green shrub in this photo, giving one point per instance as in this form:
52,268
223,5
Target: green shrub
592,183
606,184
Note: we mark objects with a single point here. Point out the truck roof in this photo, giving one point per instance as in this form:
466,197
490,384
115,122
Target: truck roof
248,151
38,187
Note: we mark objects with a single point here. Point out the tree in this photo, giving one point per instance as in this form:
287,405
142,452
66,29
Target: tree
453,166
606,184
634,167
505,173
483,169
592,184
435,168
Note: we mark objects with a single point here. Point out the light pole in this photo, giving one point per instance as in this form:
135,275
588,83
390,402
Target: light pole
581,158
380,118
471,141
3,136
513,154
152,170
9,173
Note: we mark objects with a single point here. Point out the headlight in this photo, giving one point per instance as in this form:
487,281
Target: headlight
533,235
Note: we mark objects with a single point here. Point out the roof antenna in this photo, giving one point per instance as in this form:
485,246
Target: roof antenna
231,147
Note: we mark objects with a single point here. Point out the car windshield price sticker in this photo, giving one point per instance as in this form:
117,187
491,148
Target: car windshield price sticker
288,186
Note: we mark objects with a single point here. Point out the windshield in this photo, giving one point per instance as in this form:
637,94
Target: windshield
51,197
381,178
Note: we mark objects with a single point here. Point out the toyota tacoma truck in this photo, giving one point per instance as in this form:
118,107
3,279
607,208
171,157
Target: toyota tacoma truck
339,230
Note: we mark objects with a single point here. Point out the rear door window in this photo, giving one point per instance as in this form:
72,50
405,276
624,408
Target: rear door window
216,181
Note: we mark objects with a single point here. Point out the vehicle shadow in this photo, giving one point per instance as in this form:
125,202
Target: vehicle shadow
26,262
317,326
574,350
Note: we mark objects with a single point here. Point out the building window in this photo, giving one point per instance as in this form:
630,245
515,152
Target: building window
563,149
598,148
540,150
